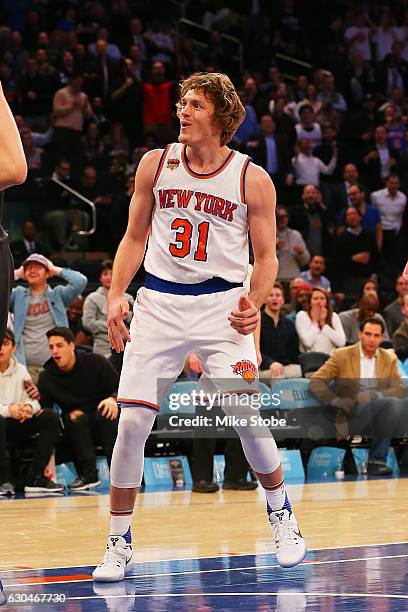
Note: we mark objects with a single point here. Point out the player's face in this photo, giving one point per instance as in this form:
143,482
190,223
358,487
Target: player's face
196,119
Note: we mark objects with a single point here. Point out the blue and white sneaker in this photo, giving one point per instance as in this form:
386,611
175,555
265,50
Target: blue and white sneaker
290,545
3,598
117,558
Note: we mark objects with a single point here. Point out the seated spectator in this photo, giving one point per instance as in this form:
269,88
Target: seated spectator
355,253
400,336
63,216
314,276
84,385
380,160
291,250
391,203
28,244
370,217
21,417
368,307
307,167
38,307
367,385
82,337
318,327
279,342
299,297
94,316
393,312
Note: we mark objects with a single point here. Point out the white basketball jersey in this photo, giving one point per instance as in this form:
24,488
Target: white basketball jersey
200,222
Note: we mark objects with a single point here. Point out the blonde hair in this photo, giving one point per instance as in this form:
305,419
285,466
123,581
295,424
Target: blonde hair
229,112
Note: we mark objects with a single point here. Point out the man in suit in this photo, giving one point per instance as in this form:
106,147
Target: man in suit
270,151
28,244
366,393
340,198
380,160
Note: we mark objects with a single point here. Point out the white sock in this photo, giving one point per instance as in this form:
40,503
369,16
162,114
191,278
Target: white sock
276,496
120,524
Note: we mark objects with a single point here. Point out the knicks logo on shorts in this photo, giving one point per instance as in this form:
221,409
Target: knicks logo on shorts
246,369
173,164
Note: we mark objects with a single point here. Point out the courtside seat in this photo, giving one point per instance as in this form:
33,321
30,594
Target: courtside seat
294,393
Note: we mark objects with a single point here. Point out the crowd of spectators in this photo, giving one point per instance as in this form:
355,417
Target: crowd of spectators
93,87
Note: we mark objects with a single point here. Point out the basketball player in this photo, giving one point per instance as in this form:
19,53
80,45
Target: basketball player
196,202
13,171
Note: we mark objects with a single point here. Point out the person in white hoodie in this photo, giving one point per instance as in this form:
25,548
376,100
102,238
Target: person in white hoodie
20,418
95,311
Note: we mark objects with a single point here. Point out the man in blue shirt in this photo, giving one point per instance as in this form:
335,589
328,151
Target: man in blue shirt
314,276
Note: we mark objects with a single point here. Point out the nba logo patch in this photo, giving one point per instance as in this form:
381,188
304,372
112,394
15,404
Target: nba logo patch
246,369
173,164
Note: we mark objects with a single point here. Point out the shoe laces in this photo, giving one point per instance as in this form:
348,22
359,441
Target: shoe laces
114,555
285,534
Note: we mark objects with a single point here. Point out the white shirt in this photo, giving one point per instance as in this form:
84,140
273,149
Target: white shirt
391,209
308,168
383,40
367,365
314,134
368,375
362,46
312,338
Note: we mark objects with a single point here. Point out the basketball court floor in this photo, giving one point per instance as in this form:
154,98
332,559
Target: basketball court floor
212,552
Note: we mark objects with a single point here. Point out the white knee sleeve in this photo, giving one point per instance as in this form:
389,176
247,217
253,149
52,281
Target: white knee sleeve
135,425
257,441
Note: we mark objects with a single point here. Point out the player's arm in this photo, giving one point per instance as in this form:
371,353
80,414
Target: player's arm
261,202
13,165
131,250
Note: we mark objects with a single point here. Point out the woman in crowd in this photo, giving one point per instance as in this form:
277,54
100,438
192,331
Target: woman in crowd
319,328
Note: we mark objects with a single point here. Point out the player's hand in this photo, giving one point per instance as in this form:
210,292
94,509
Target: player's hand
246,318
118,309
108,408
363,397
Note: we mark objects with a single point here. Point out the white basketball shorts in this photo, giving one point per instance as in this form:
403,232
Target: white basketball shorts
165,328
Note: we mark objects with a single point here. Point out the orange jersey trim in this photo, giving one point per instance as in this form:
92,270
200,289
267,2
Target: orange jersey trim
134,403
242,180
210,174
160,166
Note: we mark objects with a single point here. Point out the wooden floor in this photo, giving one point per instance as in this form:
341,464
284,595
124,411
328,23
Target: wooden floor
71,531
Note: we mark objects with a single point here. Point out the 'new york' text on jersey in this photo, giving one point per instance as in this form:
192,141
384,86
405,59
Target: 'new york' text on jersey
200,222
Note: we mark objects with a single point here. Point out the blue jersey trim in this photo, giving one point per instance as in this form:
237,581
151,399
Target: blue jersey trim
212,285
